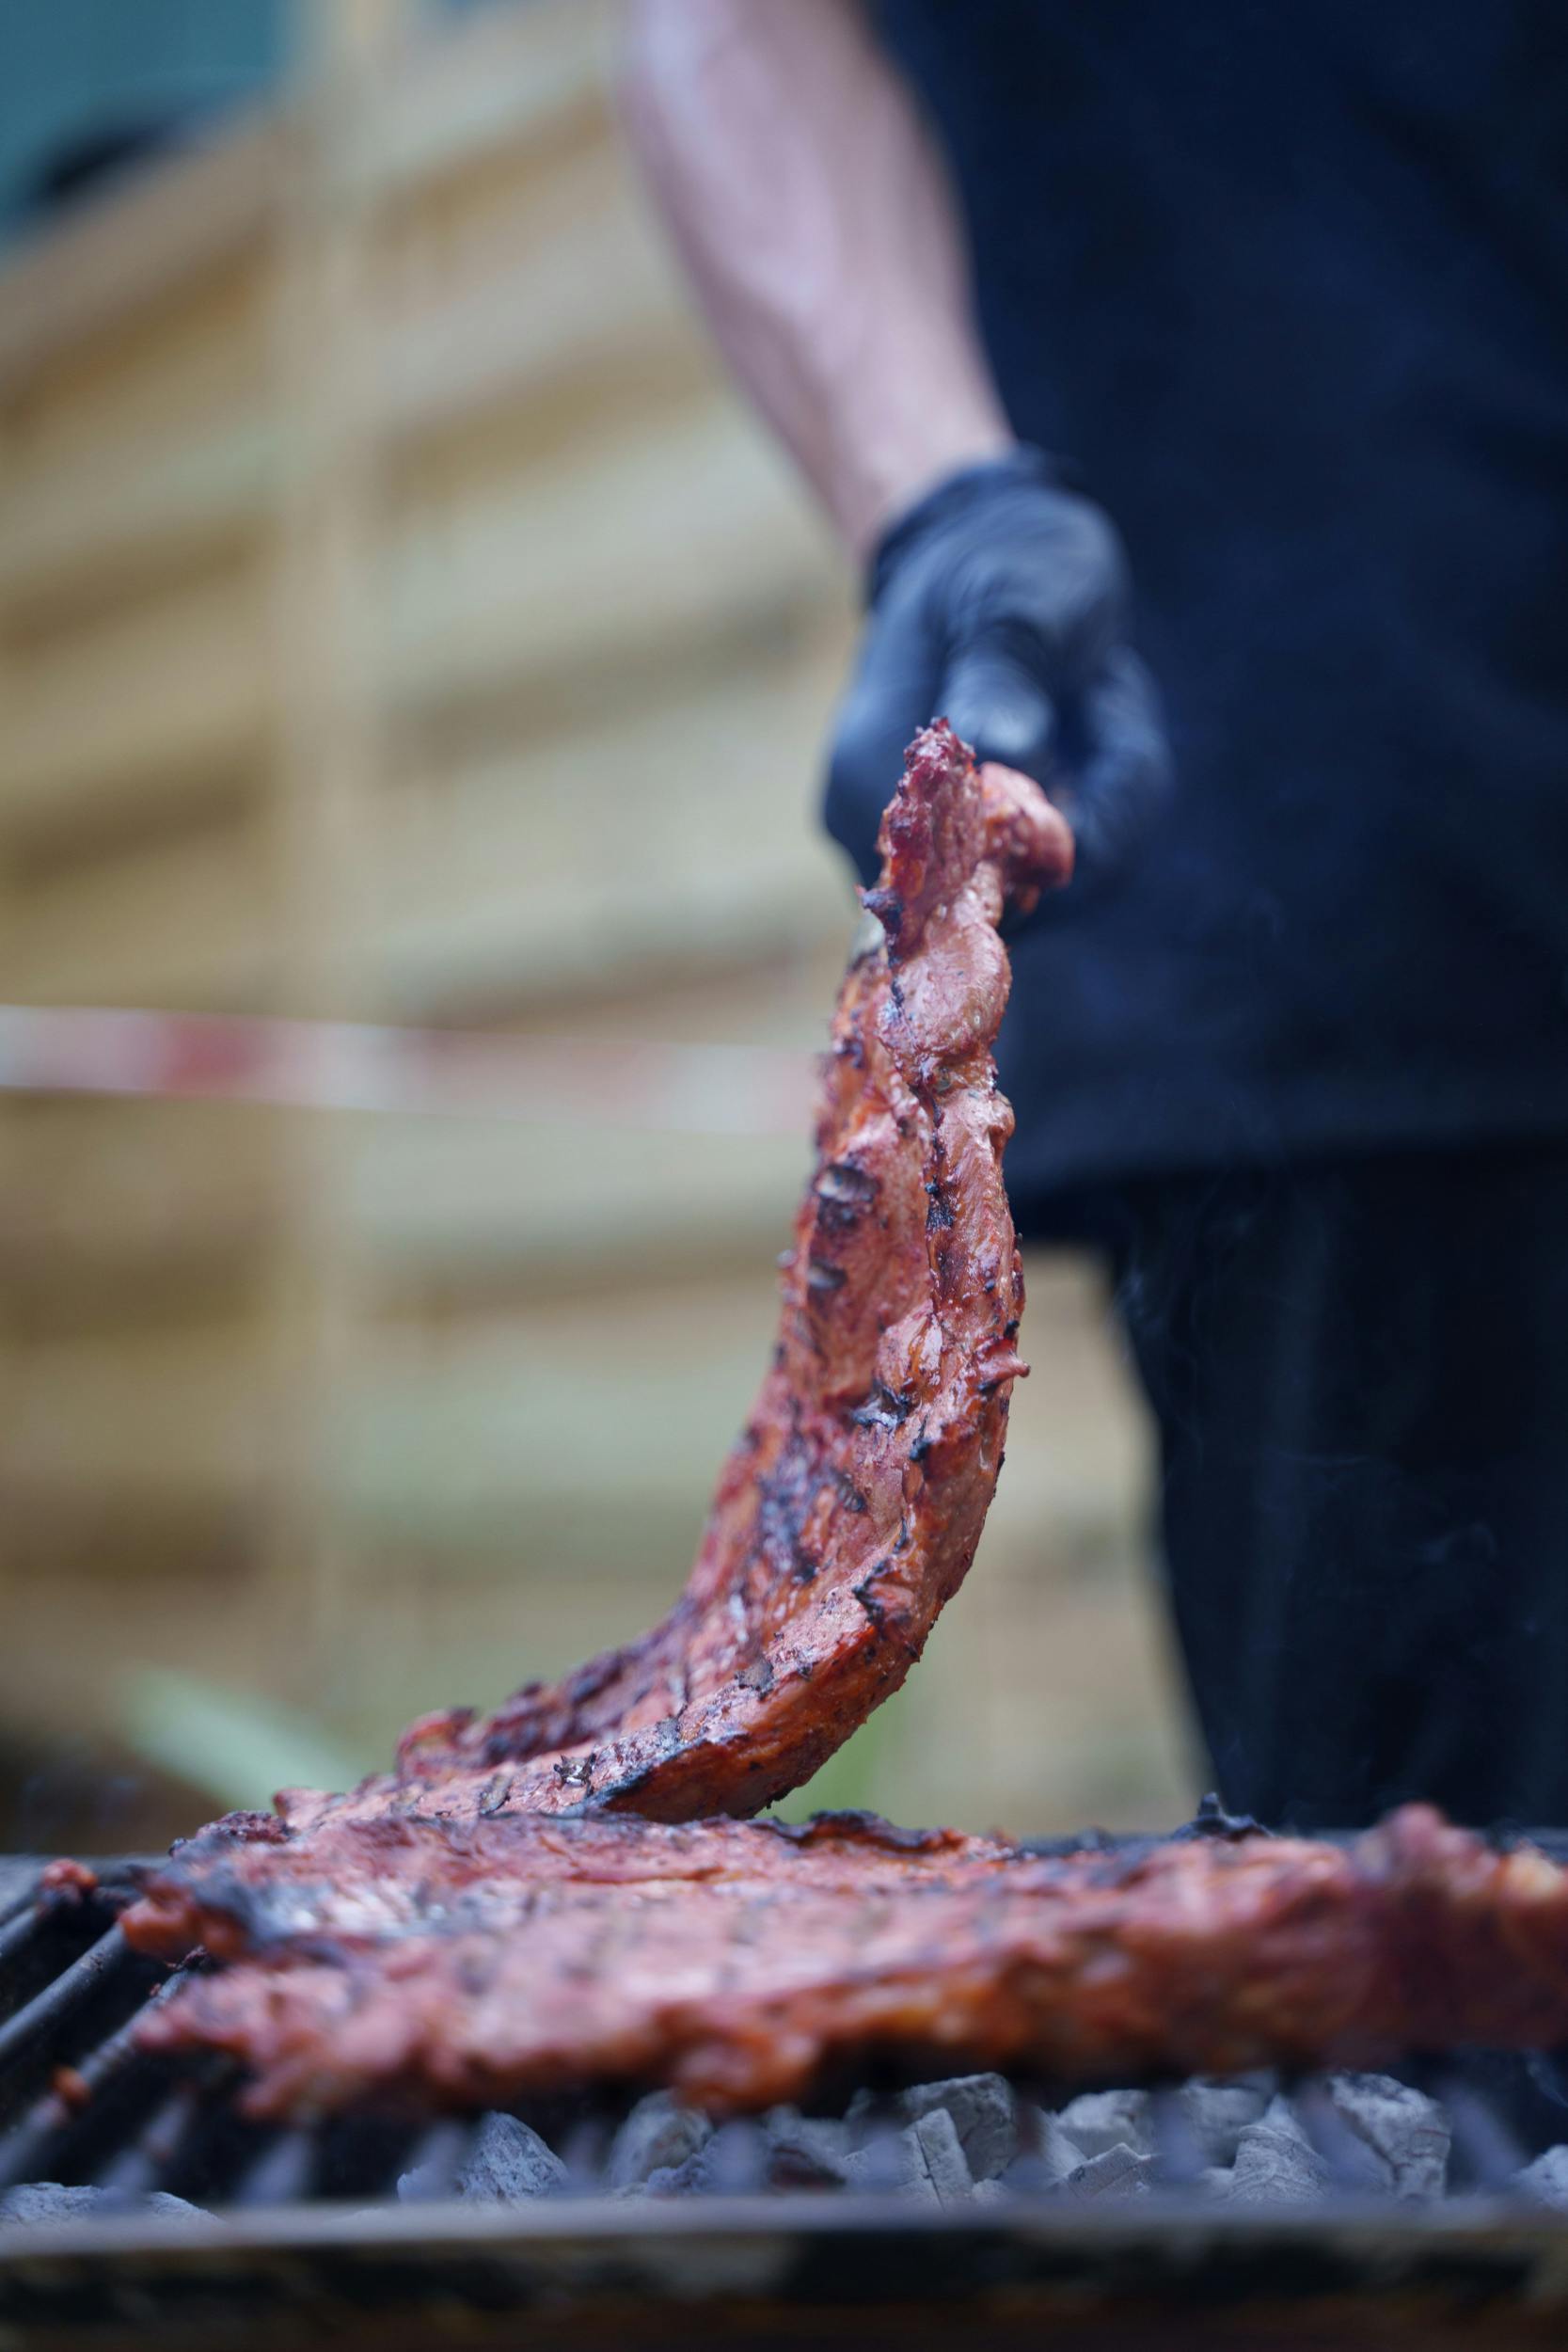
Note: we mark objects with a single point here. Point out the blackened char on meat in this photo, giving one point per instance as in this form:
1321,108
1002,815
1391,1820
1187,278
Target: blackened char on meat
850,1510
469,1964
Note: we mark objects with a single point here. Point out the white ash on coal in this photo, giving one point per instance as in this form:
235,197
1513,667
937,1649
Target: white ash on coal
657,2136
506,2163
1120,2170
1216,2112
808,2150
1407,2132
1546,2181
39,2203
1276,2162
1099,2120
1047,2155
983,2110
925,2160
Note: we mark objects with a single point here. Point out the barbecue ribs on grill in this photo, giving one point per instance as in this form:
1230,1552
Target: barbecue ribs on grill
850,1510
470,1963
489,1922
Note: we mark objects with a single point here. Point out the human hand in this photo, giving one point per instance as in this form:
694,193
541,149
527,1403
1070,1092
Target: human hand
999,602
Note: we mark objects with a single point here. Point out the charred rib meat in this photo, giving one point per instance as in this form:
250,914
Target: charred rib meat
470,1963
850,1508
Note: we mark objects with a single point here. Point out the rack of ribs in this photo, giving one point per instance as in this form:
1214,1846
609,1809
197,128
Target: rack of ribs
410,1961
850,1510
558,1895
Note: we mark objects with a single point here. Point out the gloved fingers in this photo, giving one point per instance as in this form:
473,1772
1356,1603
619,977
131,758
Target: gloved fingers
1052,587
889,698
1123,775
997,703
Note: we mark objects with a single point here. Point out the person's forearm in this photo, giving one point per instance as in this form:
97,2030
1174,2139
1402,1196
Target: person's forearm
817,226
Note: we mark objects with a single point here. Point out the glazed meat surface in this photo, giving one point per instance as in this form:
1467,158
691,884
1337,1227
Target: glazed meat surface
850,1508
468,1964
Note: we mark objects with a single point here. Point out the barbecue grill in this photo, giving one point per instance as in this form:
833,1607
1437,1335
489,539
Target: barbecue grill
355,2233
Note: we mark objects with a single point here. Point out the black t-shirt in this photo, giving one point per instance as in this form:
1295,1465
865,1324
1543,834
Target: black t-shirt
1288,281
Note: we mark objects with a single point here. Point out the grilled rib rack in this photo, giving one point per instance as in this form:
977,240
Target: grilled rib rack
300,2235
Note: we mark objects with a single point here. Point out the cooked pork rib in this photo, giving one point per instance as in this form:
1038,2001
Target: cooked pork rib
467,1965
488,1922
851,1506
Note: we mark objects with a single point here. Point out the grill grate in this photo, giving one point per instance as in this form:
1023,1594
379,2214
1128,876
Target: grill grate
81,2105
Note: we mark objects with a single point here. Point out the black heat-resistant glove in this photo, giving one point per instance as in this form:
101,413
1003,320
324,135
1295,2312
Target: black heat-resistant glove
999,603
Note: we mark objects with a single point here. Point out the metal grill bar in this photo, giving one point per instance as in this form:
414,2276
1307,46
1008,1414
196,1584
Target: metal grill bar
1490,2149
108,2081
18,1889
1180,2157
150,2162
281,2174
1347,2156
21,1936
437,2159
36,2032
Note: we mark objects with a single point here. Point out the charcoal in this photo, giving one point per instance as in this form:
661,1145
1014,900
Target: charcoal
1406,2131
938,2153
885,2162
39,2202
506,2164
1048,2157
1280,2116
1217,2111
1103,2119
1118,2171
984,2113
1547,2179
733,2163
657,2136
1276,2163
689,2179
925,2160
806,2151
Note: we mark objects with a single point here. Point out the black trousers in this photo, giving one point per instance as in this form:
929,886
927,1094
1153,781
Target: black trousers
1360,1375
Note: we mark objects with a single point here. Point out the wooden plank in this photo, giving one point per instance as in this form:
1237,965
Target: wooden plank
102,1186
138,704
178,496
673,833
608,1402
116,257
327,753
178,364
534,266
585,302
569,1411
486,86
622,550
152,1413
449,1197
185,922
98,1587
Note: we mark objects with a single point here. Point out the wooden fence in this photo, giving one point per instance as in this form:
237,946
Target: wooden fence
400,620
